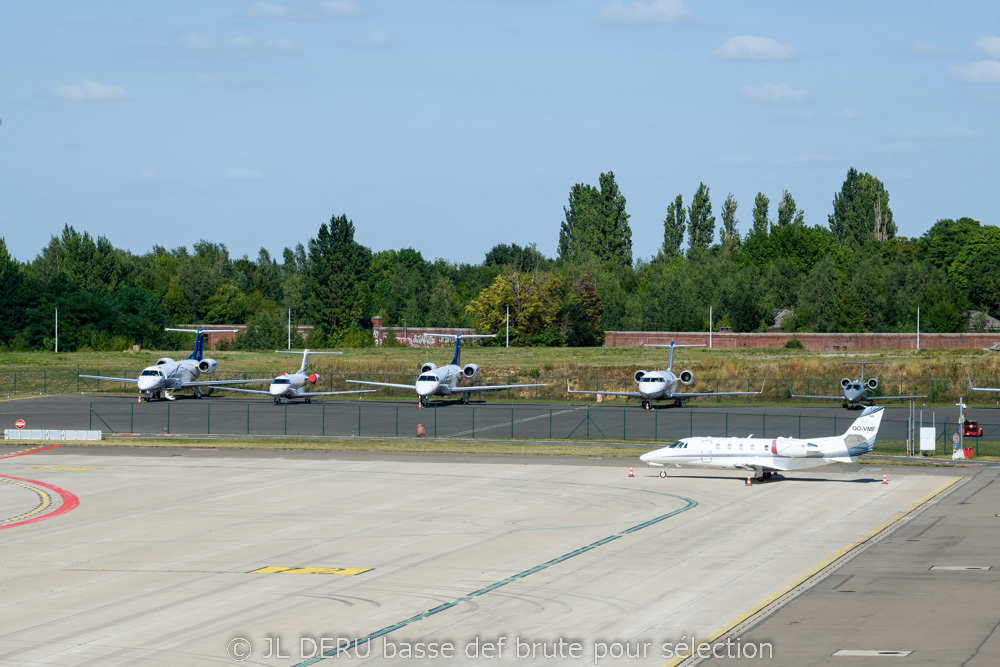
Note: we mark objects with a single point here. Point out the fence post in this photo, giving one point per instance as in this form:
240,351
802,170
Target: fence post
435,420
209,420
359,418
397,419
727,423
800,424
835,423
131,421
588,420
550,423
691,425
624,420
45,381
473,422
656,422
248,417
168,417
324,419
90,423
286,418
512,423
763,424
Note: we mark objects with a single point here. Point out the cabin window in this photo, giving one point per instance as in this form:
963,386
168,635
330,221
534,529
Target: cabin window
751,447
741,446
718,446
729,446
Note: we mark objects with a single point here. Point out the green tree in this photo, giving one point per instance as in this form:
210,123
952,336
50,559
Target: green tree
673,227
583,321
730,237
944,242
760,220
821,295
534,301
977,269
701,222
788,214
861,211
338,278
596,223
12,296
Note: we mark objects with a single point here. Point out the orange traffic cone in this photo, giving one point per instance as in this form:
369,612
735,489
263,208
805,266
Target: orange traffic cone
748,481
885,480
630,473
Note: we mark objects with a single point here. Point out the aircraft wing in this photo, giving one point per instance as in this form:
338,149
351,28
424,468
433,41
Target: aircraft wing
889,398
246,391
970,385
838,398
717,393
632,394
221,383
459,390
384,384
334,393
102,377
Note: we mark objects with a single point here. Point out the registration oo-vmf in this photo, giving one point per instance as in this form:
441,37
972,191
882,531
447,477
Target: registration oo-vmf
766,456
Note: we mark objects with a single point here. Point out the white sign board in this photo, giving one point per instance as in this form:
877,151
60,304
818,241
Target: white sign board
927,439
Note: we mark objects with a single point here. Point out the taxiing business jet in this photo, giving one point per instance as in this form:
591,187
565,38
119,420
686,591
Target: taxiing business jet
856,391
766,456
444,380
293,385
662,385
168,375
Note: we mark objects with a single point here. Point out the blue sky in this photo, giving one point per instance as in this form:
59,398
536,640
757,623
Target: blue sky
452,126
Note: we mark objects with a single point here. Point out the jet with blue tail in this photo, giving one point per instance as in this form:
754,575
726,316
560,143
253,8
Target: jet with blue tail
445,380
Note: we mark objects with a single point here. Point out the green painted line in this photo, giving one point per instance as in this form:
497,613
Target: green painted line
691,504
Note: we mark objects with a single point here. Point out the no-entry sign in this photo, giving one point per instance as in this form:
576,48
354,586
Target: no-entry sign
19,423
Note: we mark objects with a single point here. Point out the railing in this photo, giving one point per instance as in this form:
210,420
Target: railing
381,419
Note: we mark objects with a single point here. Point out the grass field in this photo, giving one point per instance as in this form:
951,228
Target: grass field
940,373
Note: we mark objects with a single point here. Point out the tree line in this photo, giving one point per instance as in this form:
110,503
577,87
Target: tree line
852,274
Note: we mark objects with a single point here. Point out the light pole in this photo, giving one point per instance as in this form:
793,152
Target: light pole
961,422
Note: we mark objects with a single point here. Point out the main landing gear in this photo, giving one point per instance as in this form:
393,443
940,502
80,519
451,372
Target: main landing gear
465,399
197,392
277,400
663,473
422,402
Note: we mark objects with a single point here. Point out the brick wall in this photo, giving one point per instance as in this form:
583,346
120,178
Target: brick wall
820,342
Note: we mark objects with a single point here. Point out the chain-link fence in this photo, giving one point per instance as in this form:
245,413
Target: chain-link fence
375,419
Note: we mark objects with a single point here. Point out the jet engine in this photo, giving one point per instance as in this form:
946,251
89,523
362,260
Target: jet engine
428,367
844,383
872,383
794,449
313,378
639,375
471,371
686,377
207,365
164,360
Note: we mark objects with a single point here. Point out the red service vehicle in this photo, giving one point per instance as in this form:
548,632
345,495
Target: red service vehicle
972,429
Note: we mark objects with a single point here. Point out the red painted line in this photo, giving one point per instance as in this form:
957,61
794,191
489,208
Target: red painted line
69,502
31,452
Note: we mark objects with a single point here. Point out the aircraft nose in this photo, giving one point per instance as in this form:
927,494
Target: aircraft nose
645,457
276,390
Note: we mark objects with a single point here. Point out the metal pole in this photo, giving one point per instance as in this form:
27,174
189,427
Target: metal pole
473,423
397,420
248,417
512,423
131,421
168,418
286,418
359,418
209,420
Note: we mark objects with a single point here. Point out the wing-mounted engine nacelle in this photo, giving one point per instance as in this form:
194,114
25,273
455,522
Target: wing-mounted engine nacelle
471,371
639,375
686,377
164,360
794,449
872,383
207,365
844,383
428,367
313,378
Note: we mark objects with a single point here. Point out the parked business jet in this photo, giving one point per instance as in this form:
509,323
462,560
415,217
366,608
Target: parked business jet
293,385
168,375
443,381
766,455
662,385
856,391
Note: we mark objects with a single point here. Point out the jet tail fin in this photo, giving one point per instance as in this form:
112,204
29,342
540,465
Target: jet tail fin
860,436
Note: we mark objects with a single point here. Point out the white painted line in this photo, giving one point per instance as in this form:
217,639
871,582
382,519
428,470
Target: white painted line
960,567
861,653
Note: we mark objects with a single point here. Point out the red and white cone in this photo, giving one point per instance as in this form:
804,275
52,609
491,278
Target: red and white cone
748,481
630,473
885,480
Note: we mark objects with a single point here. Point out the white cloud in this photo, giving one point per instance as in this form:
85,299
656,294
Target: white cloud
376,39
90,91
846,114
981,71
925,49
306,11
773,93
244,175
988,45
657,11
237,47
751,47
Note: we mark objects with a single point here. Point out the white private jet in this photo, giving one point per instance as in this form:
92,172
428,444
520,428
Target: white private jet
766,455
856,391
293,385
662,385
443,381
169,375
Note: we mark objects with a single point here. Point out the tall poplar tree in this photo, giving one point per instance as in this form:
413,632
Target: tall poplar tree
673,227
861,211
760,222
596,223
701,222
730,237
339,289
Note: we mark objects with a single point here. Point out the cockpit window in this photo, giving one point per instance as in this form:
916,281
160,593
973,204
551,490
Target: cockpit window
679,443
150,373
649,379
427,378
281,381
